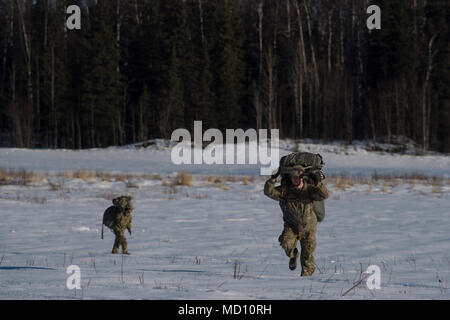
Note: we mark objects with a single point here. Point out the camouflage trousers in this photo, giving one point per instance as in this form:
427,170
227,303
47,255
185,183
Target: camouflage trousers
120,240
288,241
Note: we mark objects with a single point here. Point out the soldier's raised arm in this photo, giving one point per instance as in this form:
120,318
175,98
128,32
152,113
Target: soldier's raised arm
319,192
271,191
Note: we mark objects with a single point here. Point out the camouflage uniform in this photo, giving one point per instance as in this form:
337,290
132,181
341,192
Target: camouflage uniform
121,213
299,219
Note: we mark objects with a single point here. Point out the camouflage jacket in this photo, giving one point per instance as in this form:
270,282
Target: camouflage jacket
122,221
297,204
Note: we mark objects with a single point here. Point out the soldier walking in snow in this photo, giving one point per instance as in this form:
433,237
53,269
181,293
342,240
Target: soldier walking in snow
301,196
118,218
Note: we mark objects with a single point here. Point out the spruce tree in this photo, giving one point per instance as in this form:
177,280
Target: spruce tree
174,64
100,87
226,40
197,75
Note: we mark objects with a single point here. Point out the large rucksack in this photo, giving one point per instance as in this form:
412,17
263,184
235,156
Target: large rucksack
120,204
299,164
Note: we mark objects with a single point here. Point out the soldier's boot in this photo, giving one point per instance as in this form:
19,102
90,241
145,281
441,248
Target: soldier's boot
293,260
307,272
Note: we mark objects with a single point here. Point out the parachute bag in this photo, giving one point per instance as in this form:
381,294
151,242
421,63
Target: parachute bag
297,163
109,217
319,210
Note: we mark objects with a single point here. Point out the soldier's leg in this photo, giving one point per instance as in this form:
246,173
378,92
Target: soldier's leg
124,244
117,242
288,241
308,245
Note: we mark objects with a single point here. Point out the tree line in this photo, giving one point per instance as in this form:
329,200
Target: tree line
138,69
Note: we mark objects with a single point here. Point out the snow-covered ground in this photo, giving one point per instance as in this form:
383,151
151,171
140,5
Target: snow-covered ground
219,240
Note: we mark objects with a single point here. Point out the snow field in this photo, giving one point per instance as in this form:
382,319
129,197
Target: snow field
217,239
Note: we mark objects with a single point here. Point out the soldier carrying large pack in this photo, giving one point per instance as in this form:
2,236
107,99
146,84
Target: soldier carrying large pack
118,218
301,196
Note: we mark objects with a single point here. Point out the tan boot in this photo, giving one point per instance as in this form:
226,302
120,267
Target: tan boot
308,272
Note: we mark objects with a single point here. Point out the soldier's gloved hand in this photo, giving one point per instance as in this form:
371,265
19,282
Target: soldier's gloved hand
275,176
272,180
314,177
